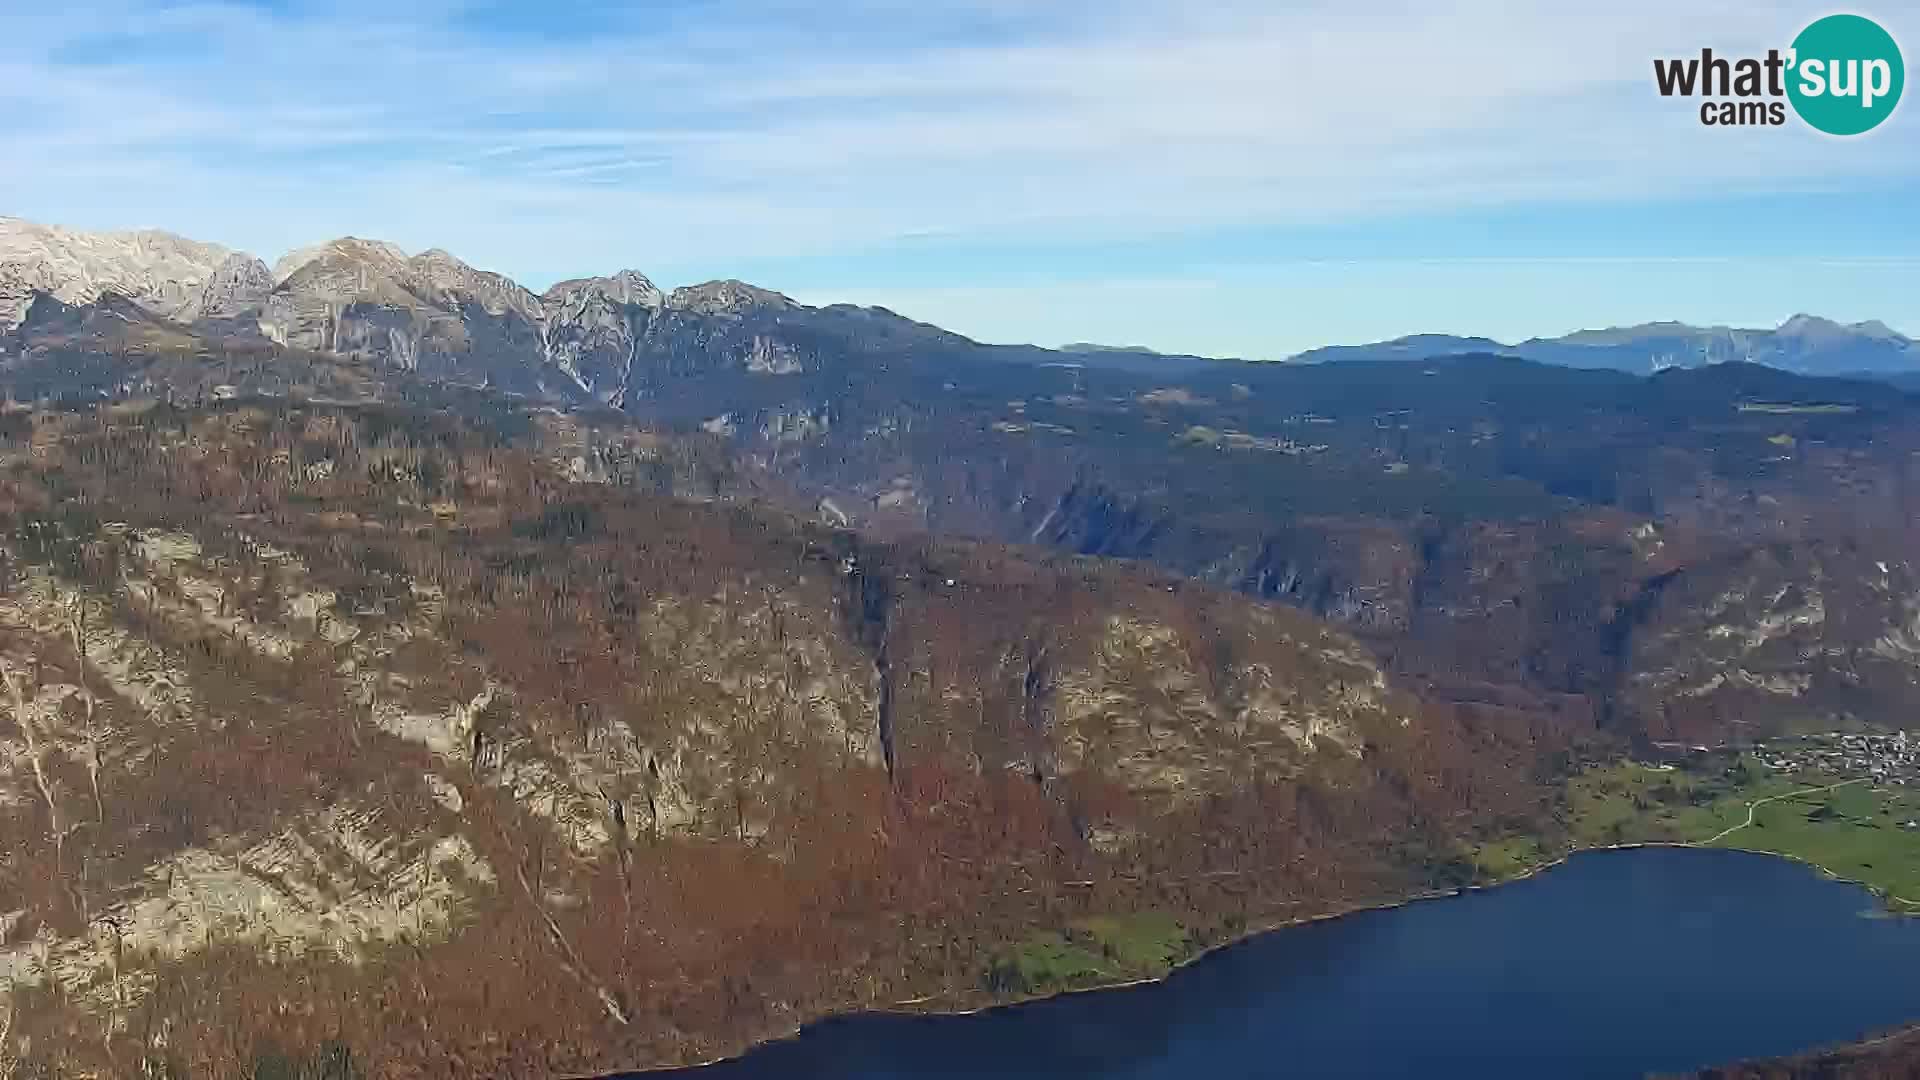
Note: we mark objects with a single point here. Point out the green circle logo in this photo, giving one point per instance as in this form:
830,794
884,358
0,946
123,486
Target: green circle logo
1846,75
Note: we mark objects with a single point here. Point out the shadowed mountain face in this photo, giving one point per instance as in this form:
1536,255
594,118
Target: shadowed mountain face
1805,344
652,655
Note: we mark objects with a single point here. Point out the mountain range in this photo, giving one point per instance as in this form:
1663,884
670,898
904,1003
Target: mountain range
1806,344
591,338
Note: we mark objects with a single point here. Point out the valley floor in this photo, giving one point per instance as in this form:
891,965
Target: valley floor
1858,828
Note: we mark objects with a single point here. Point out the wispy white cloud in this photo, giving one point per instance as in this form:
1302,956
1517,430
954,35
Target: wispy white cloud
658,136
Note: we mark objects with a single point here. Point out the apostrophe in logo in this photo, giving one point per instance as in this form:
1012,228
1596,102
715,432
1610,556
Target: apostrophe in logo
1842,75
1846,74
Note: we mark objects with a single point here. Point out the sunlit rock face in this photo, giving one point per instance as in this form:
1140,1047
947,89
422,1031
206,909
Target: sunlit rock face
159,270
593,328
239,285
1808,638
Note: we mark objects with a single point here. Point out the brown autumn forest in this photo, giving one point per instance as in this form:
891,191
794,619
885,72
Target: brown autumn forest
481,734
601,777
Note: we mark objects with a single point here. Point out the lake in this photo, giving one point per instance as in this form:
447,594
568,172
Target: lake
1615,964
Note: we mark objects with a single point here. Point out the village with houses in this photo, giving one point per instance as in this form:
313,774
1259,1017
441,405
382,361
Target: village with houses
1883,758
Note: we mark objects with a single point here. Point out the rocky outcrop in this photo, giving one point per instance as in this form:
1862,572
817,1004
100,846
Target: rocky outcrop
727,298
624,288
592,328
20,282
240,284
309,308
447,282
161,271
1804,638
429,313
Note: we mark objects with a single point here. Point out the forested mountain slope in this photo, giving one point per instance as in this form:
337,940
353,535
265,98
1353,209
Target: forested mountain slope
355,725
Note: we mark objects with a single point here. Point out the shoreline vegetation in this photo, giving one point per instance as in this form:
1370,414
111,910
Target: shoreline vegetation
1850,828
1846,828
909,1007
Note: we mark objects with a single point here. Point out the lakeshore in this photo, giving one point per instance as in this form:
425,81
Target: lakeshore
1435,972
1860,825
1711,804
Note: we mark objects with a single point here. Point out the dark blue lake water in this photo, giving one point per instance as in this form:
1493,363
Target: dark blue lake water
1615,964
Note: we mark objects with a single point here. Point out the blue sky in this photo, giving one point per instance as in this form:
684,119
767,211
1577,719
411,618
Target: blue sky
1246,177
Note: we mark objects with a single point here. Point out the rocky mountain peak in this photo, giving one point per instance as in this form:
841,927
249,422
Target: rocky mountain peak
1814,332
287,265
238,283
1804,325
1804,343
370,251
1874,328
453,282
345,249
158,270
727,298
439,264
625,287
343,271
1619,335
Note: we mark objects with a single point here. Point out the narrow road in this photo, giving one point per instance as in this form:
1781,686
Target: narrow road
1758,803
